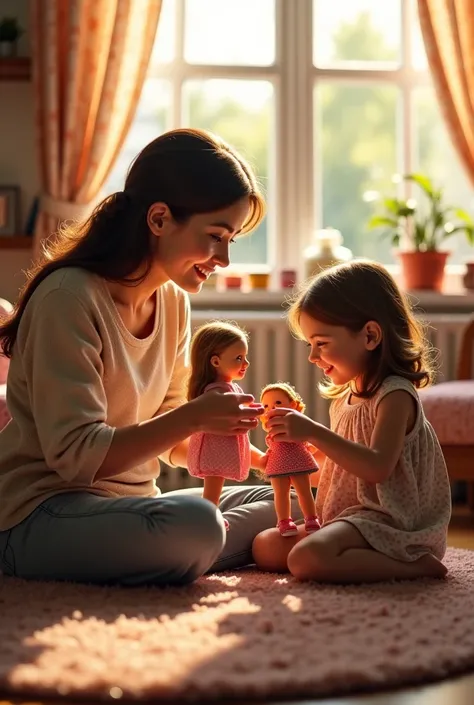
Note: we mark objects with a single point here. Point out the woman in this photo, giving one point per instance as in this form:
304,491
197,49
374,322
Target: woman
99,352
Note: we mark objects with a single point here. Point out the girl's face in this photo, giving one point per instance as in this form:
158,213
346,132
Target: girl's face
189,253
232,363
340,353
275,399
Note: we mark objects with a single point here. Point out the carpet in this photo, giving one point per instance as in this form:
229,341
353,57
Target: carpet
245,635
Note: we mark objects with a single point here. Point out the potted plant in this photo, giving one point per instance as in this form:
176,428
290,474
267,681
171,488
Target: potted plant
420,230
10,32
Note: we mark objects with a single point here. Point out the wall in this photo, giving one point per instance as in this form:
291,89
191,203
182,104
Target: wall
17,150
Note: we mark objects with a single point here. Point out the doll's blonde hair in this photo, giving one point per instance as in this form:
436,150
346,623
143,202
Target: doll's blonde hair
208,340
287,389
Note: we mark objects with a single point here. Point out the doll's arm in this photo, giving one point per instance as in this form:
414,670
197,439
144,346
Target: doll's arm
258,460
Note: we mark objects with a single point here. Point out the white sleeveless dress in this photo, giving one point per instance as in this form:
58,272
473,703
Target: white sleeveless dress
408,515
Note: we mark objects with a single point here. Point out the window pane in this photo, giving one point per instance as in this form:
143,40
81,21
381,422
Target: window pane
151,119
351,33
435,156
240,112
164,46
356,157
419,60
240,32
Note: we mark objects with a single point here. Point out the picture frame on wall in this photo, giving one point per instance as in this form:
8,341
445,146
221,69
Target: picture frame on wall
9,210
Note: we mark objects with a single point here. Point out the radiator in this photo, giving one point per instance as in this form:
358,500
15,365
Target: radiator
276,356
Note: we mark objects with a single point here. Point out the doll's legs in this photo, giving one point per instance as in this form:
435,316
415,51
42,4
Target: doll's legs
338,553
212,491
282,492
302,484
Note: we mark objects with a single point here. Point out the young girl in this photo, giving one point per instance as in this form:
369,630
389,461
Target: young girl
383,498
99,347
219,357
288,464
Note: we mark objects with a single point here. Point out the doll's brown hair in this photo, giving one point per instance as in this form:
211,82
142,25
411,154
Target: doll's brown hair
208,340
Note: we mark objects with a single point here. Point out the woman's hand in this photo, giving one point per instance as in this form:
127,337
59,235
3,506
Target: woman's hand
226,413
290,425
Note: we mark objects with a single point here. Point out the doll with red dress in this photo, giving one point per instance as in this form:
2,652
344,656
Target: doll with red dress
218,358
289,464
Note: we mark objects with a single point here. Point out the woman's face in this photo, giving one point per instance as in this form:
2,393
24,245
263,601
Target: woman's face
189,253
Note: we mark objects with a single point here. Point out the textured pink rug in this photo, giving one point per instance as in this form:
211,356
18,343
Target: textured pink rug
246,635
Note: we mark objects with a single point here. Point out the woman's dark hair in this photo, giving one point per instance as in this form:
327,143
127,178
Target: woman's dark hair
192,171
351,294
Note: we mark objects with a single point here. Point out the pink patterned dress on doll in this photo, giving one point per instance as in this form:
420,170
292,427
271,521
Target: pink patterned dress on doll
220,456
288,459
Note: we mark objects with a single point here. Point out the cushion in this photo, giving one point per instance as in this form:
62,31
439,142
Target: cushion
4,415
449,407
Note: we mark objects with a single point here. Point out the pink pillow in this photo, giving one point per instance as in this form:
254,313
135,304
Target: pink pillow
449,407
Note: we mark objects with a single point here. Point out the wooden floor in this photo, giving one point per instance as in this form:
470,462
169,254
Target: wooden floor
458,691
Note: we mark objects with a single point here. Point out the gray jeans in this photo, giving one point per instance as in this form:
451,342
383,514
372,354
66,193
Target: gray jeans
172,539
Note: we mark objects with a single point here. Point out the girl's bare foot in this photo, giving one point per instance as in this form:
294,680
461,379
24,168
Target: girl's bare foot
431,567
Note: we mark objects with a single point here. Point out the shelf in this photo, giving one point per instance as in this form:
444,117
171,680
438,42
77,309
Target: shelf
274,300
15,242
15,68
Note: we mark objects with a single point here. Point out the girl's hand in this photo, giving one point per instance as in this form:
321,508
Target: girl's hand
224,413
289,425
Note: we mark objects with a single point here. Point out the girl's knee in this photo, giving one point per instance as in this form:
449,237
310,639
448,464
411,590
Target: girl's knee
307,561
270,550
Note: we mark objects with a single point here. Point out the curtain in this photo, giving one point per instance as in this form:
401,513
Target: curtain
447,27
90,59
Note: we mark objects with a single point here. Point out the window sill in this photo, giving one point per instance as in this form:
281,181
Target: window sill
454,299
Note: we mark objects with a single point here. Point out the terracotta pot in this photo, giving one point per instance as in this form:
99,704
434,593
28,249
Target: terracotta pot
468,278
423,270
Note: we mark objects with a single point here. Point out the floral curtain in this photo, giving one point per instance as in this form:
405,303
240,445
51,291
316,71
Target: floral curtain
448,32
90,59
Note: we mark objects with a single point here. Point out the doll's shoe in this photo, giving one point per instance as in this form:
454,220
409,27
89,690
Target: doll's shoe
311,524
287,527
226,524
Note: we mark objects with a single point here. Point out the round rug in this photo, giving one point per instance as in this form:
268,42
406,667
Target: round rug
244,635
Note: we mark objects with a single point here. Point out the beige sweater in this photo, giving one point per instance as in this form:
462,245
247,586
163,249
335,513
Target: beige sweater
77,374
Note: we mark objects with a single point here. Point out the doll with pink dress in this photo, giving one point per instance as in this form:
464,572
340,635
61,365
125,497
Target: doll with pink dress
289,464
218,358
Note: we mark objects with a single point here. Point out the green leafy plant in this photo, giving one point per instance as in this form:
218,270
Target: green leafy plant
424,227
10,29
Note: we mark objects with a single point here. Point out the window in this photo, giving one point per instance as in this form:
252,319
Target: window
345,81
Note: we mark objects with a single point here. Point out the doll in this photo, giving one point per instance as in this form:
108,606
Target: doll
218,357
289,463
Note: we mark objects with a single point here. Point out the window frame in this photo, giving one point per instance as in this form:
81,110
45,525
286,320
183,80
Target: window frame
294,202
